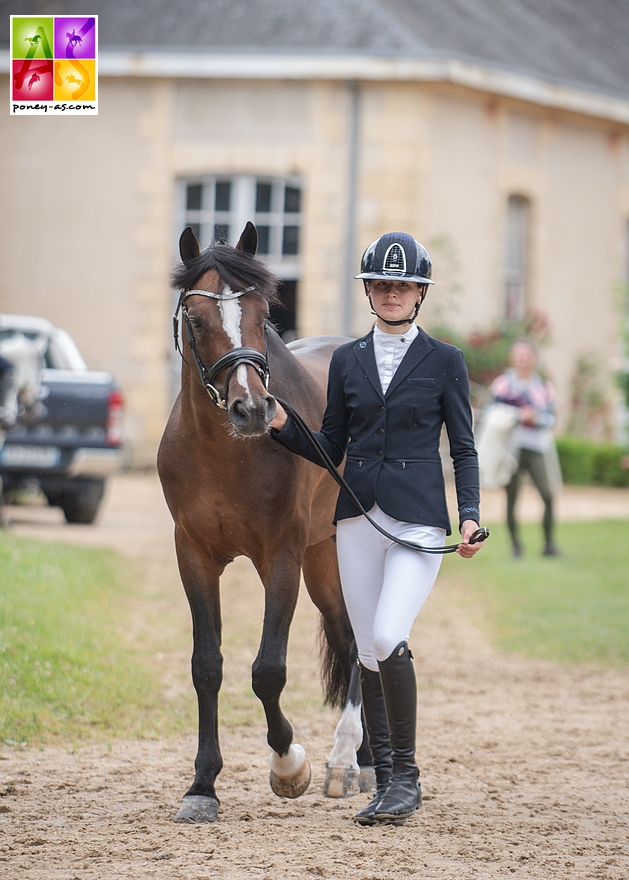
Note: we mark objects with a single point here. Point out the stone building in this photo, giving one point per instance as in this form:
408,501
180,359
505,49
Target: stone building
496,131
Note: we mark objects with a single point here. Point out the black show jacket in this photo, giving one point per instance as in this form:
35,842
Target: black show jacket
392,440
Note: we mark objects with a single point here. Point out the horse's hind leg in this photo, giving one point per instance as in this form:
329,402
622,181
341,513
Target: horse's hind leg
200,576
290,771
350,766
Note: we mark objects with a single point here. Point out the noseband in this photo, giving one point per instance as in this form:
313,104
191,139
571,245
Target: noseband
230,361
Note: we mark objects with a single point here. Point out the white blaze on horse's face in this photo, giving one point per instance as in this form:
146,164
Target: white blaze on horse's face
231,316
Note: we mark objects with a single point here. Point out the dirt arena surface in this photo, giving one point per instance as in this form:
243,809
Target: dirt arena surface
525,765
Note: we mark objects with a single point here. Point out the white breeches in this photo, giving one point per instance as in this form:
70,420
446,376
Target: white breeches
384,585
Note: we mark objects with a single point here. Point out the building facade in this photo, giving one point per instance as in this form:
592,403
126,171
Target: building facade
519,189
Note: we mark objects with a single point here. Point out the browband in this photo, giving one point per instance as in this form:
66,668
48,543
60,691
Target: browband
233,294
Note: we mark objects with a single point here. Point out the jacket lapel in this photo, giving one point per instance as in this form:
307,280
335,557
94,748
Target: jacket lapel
367,359
419,348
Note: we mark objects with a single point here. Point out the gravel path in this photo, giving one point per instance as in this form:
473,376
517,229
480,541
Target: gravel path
524,764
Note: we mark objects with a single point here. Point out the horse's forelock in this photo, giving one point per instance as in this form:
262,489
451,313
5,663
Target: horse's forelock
236,268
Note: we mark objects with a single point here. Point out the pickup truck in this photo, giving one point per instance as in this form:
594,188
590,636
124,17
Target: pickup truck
74,441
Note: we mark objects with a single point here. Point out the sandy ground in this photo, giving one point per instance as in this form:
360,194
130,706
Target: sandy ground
525,765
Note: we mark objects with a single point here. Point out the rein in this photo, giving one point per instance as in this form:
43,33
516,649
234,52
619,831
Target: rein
230,361
479,535
237,356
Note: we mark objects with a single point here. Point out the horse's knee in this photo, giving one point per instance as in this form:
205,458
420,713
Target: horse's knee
268,679
207,671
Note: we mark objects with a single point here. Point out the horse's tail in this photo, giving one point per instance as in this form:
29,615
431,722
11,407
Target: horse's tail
333,678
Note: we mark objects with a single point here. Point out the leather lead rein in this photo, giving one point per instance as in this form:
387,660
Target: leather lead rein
479,535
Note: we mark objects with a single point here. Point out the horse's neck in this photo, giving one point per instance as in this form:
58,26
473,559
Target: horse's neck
289,377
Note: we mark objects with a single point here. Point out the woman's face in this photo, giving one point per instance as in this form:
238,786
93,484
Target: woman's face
523,358
394,300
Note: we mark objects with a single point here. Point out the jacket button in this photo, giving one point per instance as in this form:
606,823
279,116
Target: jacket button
383,409
380,452
380,432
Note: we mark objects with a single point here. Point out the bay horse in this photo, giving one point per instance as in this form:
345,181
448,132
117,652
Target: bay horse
232,491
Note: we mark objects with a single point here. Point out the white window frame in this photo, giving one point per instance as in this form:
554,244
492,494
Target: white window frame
243,208
516,256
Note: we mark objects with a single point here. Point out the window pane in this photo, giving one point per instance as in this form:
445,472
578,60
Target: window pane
222,196
221,230
516,257
194,195
292,200
263,239
290,241
263,198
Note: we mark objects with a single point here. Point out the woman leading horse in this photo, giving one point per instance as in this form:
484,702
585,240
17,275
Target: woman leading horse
389,394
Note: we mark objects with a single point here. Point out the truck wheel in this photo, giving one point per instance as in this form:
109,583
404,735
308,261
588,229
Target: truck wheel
81,504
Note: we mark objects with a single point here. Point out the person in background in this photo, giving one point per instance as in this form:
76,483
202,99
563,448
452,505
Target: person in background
521,386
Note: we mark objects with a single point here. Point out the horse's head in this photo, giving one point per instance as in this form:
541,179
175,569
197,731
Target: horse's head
224,302
20,384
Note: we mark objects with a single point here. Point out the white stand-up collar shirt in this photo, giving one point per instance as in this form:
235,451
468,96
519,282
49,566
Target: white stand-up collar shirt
389,349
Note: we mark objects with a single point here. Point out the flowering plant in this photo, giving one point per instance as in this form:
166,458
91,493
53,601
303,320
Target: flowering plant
486,352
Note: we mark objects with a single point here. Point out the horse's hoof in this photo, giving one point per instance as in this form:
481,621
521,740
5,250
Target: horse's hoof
196,809
367,779
290,775
341,782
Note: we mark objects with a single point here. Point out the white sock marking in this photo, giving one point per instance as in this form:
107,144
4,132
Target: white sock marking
289,764
347,738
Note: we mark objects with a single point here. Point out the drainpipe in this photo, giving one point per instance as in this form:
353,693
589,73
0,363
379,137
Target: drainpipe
347,317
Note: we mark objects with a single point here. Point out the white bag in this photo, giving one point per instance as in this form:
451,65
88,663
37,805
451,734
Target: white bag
497,453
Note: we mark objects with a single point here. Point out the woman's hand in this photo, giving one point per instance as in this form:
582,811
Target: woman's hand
528,416
465,549
279,419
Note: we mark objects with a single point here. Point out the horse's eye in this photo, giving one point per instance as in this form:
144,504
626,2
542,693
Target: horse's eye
196,323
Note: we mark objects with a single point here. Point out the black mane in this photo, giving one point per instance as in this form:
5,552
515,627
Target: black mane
237,269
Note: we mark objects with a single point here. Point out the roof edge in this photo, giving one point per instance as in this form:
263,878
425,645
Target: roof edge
270,66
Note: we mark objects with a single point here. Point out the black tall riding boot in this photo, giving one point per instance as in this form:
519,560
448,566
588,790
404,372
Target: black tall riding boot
378,734
403,796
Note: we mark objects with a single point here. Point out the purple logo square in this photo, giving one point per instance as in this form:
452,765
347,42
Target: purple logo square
75,37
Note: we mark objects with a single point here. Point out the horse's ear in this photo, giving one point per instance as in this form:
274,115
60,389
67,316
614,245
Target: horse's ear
188,245
248,241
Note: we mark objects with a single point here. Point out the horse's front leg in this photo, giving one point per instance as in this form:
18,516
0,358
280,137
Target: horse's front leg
290,771
200,575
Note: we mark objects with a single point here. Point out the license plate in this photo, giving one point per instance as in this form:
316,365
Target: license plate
13,455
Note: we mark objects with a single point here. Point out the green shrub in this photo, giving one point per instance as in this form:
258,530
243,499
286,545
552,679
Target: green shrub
586,463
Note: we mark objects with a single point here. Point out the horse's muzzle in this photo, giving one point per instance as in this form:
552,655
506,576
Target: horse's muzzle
252,419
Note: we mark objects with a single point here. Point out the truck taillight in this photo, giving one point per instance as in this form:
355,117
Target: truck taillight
115,418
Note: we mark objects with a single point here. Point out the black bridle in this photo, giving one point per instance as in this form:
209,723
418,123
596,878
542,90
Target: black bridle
230,361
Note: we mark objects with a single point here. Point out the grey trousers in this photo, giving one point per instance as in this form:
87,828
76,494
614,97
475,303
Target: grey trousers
533,463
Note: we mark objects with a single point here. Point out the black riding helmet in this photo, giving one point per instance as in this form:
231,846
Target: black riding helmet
396,256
